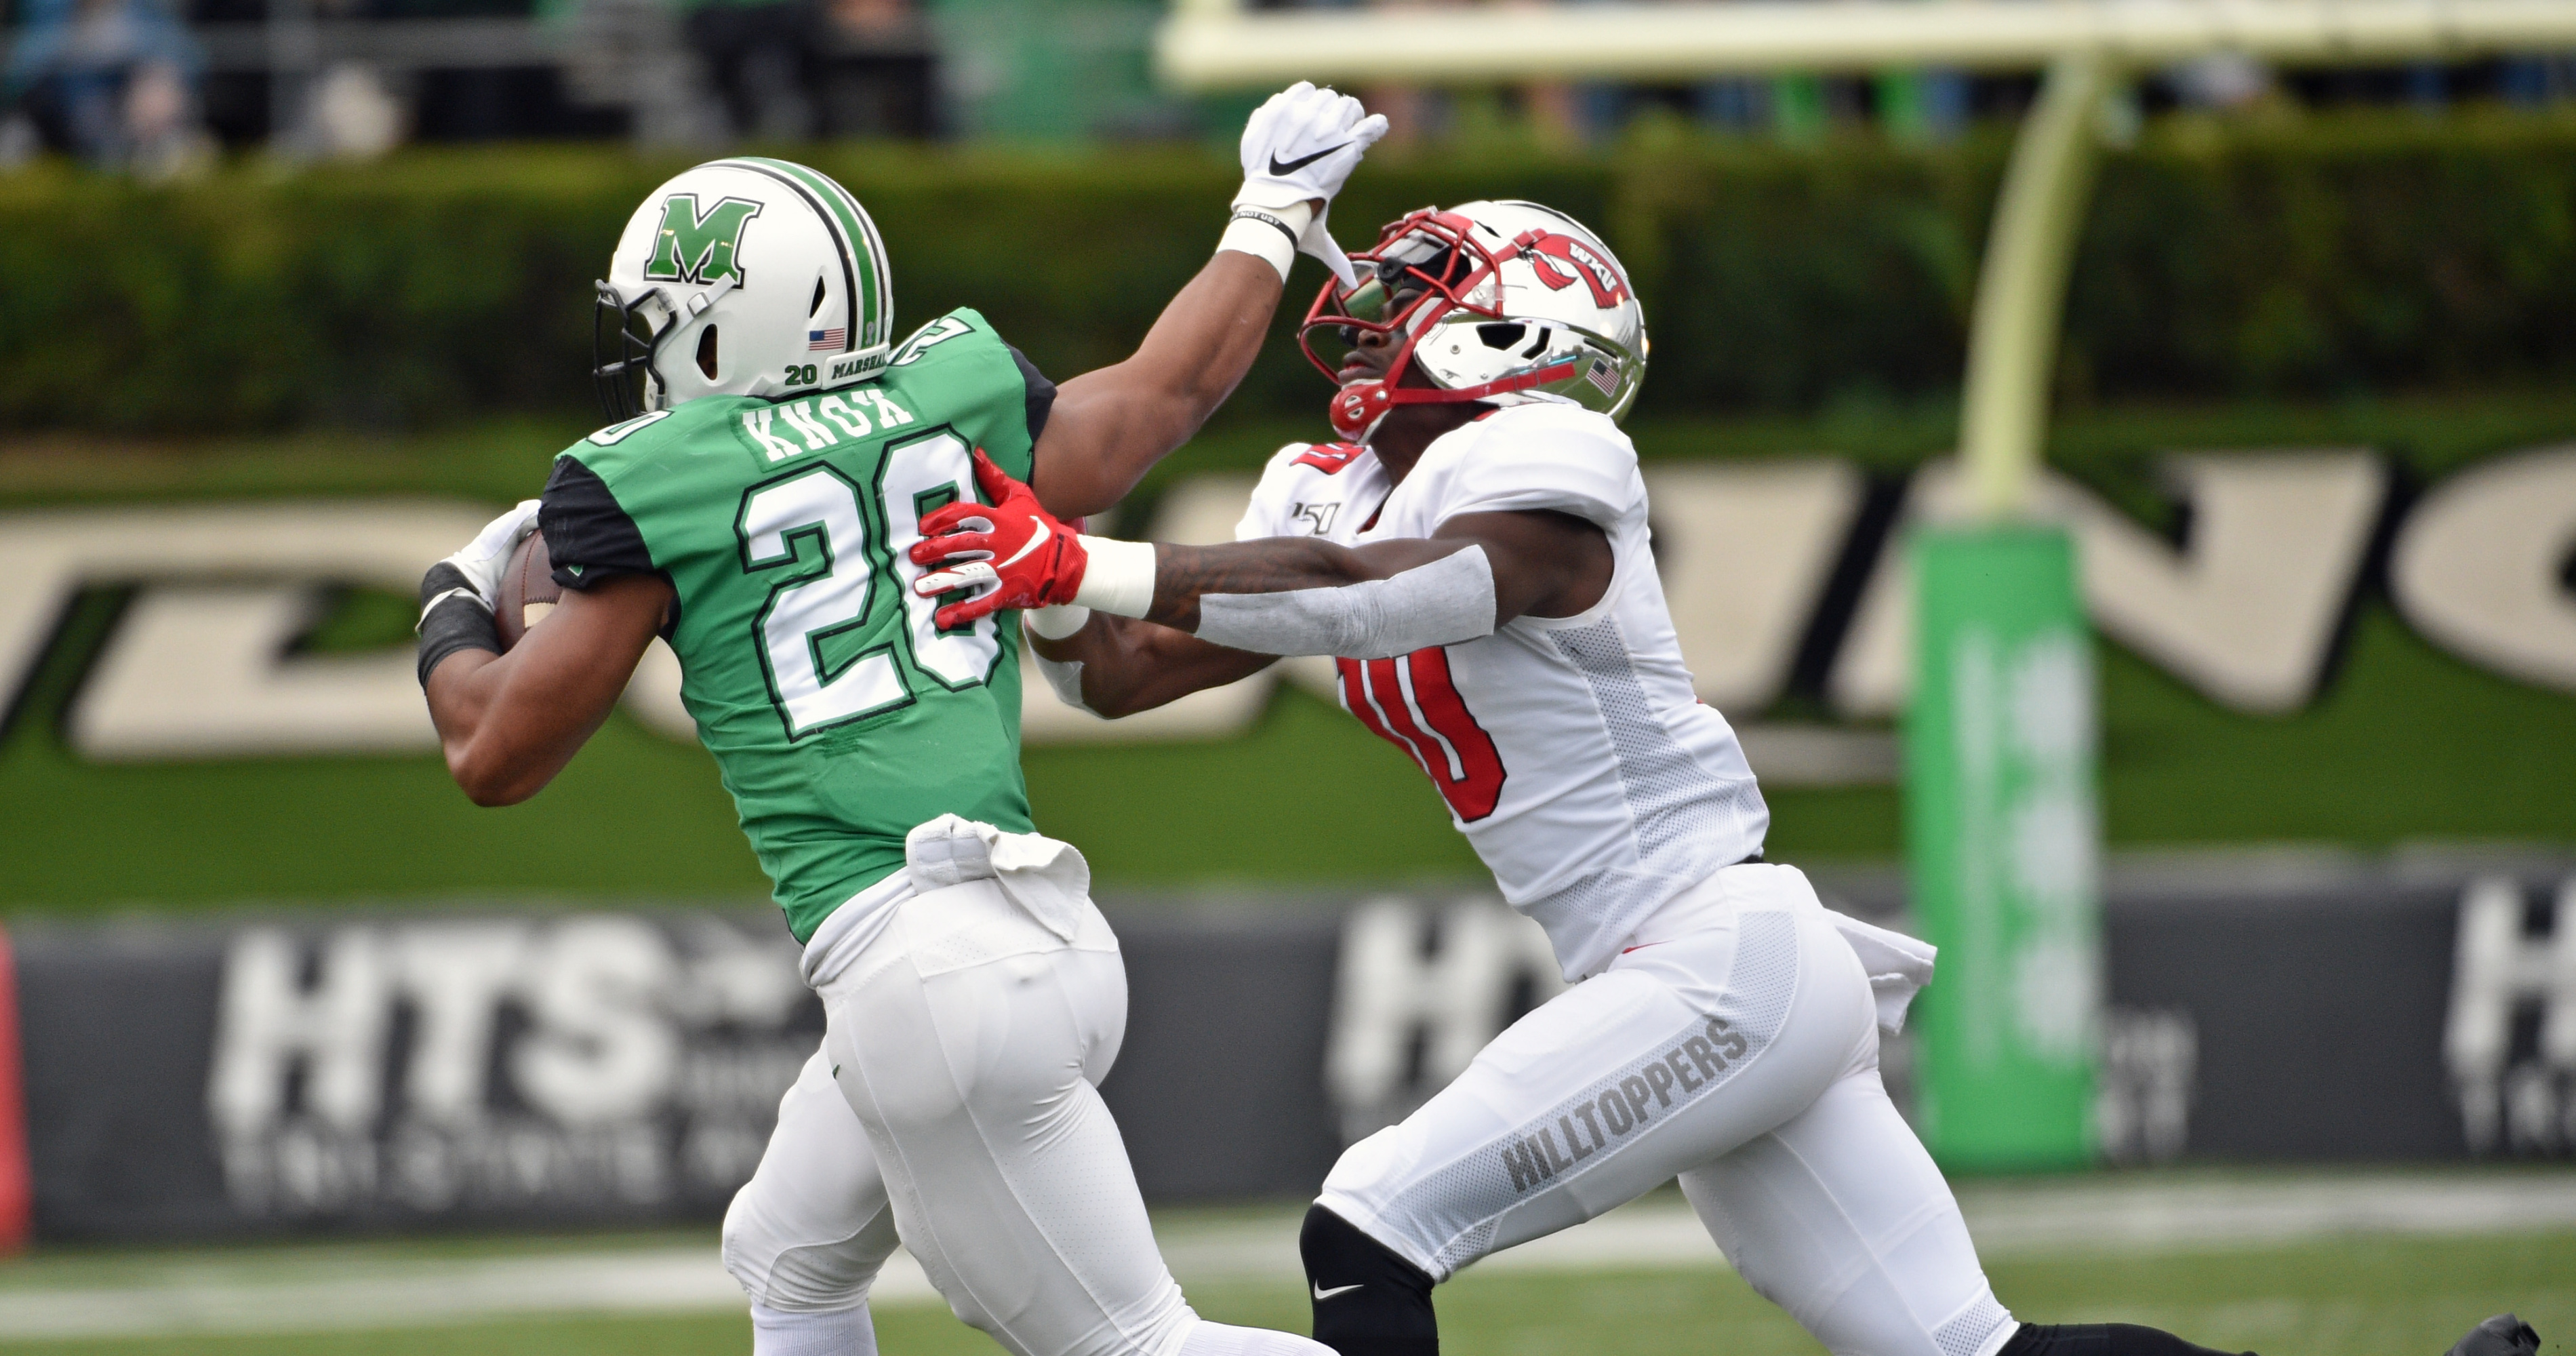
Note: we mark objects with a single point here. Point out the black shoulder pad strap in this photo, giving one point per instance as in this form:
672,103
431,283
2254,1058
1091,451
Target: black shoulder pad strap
1041,395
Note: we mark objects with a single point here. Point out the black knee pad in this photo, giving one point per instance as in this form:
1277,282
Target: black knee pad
2099,1339
1368,1301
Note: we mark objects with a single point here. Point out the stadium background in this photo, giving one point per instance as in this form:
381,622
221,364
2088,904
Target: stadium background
2338,263
2241,289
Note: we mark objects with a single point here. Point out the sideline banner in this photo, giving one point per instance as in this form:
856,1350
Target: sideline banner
382,1070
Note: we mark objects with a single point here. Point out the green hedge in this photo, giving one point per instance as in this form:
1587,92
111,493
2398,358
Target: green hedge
2314,256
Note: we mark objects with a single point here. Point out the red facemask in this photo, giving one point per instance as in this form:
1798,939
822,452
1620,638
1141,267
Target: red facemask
1421,272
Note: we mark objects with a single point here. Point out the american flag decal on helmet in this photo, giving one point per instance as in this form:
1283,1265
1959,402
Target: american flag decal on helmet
825,341
1604,376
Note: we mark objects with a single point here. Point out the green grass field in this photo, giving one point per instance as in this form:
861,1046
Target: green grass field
2402,1297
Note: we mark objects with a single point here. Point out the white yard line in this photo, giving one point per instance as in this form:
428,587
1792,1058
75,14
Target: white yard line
380,1295
2112,1215
308,1290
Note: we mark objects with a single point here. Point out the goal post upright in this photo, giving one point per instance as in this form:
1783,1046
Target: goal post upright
2021,286
2001,788
2001,816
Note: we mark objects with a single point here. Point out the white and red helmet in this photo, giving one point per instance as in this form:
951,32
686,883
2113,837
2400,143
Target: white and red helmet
1500,302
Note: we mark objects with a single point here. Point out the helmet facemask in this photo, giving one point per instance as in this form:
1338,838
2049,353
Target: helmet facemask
1493,306
1424,269
624,336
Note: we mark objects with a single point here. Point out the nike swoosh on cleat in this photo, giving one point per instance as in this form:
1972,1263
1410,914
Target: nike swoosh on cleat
1322,1294
1278,166
1022,553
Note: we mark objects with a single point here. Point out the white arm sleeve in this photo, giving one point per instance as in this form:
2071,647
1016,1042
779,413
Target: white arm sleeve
1442,603
1065,676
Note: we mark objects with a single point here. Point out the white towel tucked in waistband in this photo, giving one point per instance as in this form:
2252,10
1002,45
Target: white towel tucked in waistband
1047,879
1898,966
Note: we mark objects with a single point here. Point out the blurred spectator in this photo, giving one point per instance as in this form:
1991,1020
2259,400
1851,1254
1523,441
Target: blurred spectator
2534,80
2428,86
1800,108
871,18
631,54
1922,106
112,81
1559,114
880,74
2222,80
1733,103
351,115
1413,113
762,58
19,140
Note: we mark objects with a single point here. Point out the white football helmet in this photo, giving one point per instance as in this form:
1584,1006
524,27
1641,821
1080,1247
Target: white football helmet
1500,302
745,276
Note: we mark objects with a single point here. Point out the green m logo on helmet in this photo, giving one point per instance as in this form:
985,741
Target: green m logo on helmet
696,247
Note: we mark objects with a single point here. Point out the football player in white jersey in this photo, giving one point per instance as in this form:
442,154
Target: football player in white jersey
1475,556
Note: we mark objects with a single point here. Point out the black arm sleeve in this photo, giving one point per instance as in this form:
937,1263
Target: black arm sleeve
588,535
1041,394
457,621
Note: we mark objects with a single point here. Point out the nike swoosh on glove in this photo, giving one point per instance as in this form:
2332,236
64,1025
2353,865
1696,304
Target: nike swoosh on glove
1023,553
474,572
1301,145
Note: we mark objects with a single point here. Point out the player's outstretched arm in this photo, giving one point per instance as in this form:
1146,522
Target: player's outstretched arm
509,722
1108,427
1475,572
1280,596
1118,666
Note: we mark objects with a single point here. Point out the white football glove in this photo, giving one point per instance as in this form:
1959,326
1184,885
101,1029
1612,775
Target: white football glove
478,565
1300,146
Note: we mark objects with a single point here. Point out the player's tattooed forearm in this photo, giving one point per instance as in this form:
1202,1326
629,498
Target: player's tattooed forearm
1182,574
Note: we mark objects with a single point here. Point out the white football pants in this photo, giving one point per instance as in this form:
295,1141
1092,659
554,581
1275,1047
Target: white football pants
967,1040
1733,1045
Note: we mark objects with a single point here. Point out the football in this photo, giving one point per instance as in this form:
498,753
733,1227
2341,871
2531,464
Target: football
528,590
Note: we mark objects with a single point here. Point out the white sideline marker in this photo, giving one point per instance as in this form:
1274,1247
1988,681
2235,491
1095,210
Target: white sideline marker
313,1290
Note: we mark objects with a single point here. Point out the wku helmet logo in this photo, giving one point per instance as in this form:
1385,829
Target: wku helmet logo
1561,259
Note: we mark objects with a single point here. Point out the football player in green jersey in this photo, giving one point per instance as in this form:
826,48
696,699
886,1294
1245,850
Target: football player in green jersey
774,452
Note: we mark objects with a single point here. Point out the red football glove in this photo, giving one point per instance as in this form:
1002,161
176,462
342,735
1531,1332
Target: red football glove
1027,557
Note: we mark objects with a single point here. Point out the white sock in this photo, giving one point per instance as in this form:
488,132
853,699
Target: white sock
843,1332
1225,1339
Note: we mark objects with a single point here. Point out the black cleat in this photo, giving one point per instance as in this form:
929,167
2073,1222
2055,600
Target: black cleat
2502,1335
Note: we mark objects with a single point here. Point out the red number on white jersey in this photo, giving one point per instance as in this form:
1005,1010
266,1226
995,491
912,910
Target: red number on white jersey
1411,703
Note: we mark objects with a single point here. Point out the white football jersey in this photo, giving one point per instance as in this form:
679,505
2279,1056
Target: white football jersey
1572,750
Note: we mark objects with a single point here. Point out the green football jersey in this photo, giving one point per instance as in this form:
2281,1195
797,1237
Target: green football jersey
839,712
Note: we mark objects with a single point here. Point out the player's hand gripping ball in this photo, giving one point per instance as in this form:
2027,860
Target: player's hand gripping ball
473,571
527,590
1019,554
471,576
